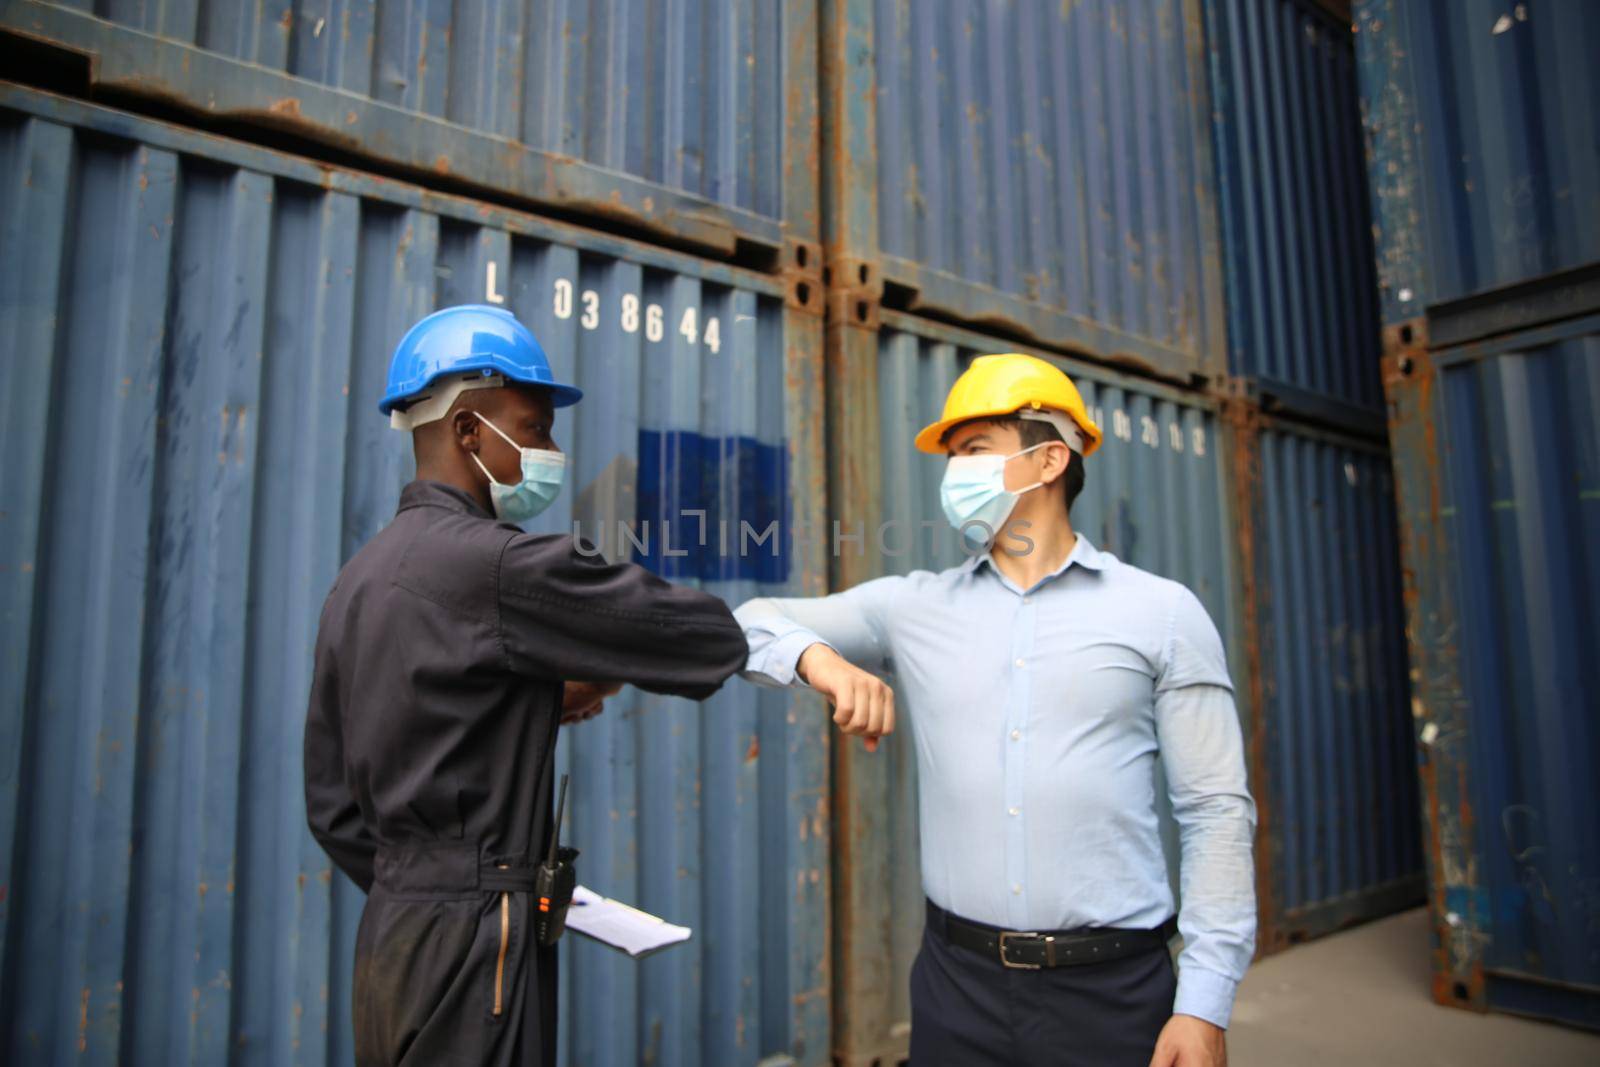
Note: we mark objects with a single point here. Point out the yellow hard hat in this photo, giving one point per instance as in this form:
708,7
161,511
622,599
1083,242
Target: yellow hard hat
1003,385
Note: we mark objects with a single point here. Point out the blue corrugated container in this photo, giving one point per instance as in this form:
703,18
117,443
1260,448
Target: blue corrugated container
1296,224
1161,457
1485,169
1485,161
693,120
1042,170
1498,458
195,335
1332,758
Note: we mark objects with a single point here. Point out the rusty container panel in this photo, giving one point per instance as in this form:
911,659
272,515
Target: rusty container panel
1333,761
693,121
1161,458
1485,174
195,334
1500,498
1296,223
1485,162
1045,169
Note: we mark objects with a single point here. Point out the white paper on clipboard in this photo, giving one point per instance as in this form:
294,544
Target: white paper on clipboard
625,929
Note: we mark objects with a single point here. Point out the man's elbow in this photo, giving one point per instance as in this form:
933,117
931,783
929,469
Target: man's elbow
728,653
756,609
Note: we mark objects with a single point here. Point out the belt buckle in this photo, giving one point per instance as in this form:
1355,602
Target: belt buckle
1006,962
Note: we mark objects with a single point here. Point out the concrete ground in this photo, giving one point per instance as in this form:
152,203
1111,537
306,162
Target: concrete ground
1362,997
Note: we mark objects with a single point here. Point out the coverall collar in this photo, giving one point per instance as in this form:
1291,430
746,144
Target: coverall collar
426,494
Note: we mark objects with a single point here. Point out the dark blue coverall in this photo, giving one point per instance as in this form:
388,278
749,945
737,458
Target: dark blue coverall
430,738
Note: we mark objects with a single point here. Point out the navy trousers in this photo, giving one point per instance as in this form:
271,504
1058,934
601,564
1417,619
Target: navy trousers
969,1010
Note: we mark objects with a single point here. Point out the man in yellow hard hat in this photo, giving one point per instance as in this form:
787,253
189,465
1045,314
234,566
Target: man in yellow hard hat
1044,679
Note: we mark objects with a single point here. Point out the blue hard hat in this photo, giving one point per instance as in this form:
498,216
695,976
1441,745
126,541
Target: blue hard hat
467,338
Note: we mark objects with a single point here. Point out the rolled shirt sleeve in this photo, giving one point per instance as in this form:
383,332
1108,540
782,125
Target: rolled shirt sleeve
1202,751
853,623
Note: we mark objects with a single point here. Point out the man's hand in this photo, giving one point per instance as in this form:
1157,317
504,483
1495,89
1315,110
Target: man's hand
581,701
1187,1041
862,703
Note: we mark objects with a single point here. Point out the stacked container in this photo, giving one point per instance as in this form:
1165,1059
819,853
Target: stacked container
765,238
1486,190
1168,200
1330,751
199,304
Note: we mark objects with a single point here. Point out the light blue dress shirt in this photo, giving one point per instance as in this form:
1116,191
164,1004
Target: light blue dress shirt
1038,715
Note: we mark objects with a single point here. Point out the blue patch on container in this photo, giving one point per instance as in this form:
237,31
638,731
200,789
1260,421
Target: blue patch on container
742,486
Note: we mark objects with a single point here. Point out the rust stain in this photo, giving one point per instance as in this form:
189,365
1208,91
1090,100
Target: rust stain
83,1020
1245,420
754,750
1409,379
288,107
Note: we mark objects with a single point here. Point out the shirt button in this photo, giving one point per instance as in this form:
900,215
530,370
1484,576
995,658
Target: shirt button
1016,890
1027,600
1019,663
1016,811
1016,735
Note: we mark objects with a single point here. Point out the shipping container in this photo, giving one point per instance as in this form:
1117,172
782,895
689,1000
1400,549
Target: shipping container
1296,225
695,121
1485,170
1157,495
1485,162
1331,754
195,335
1498,460
1042,171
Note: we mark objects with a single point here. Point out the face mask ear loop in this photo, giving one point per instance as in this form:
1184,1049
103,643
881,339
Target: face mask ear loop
499,431
481,467
1024,452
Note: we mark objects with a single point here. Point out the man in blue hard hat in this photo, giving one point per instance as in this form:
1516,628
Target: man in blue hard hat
446,657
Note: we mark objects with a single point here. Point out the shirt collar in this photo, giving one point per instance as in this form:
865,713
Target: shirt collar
1083,553
421,494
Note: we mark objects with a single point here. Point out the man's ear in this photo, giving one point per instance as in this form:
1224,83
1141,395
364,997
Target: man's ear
464,425
1056,461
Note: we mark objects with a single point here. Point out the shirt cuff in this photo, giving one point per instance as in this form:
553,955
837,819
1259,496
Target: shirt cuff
1205,995
778,659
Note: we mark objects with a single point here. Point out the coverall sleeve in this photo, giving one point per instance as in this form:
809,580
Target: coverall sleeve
566,614
854,623
1202,751
331,809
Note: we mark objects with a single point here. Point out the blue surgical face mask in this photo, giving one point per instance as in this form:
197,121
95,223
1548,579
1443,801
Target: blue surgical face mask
975,497
543,471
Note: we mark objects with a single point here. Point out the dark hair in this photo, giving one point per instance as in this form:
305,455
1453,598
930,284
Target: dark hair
1035,432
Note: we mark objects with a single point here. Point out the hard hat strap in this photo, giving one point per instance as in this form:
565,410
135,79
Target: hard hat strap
442,392
1069,431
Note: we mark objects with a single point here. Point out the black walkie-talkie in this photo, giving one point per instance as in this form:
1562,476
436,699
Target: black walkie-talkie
555,881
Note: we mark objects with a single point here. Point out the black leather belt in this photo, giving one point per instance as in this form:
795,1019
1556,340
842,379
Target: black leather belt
1030,950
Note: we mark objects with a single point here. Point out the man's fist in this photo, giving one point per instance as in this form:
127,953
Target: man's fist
862,703
584,700
1187,1041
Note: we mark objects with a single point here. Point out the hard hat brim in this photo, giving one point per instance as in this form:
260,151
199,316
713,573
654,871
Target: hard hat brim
561,396
930,438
